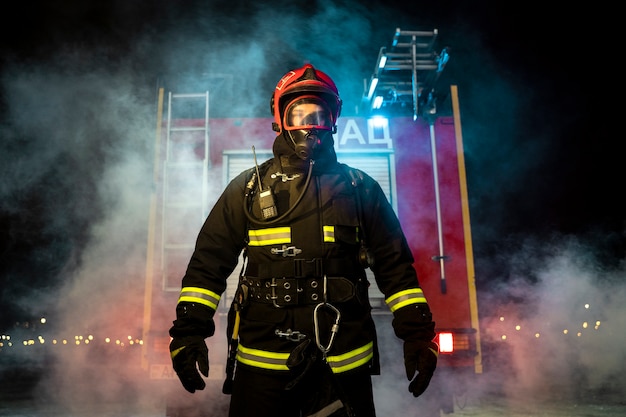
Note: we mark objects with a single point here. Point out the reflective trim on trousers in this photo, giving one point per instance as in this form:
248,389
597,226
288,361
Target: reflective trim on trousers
277,361
351,360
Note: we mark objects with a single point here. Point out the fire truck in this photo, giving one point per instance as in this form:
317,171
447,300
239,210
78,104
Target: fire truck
408,137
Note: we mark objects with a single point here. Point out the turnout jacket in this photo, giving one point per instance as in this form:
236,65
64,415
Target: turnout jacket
305,272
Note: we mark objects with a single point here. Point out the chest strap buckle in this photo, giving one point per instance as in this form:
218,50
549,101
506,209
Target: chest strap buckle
286,251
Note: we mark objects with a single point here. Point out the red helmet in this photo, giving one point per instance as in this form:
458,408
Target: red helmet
302,83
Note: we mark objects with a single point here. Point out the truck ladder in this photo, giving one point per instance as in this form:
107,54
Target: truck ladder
405,74
185,182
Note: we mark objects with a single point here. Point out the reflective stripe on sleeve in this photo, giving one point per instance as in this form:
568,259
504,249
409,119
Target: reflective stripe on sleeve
405,298
200,296
271,236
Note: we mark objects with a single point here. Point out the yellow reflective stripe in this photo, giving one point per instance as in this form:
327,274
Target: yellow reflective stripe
271,236
277,361
262,359
329,233
351,360
176,352
405,298
200,296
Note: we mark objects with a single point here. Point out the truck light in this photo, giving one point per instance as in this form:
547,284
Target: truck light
446,342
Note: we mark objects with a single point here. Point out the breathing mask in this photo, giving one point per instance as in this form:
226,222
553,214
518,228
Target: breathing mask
308,123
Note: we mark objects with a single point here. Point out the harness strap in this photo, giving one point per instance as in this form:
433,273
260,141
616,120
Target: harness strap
300,268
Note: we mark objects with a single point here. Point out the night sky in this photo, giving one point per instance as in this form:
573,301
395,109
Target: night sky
536,87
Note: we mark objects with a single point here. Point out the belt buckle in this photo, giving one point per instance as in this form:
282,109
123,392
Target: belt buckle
273,295
287,298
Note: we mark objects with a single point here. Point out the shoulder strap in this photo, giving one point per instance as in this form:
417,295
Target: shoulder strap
356,179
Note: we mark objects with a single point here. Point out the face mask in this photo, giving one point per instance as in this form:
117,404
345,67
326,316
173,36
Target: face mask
307,123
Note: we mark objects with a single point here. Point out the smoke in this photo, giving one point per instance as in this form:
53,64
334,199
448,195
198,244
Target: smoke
76,157
78,128
77,171
552,326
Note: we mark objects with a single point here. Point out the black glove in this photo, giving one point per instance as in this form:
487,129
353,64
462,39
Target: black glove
420,357
186,352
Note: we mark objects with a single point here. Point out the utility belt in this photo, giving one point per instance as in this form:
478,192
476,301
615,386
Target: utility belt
283,292
301,282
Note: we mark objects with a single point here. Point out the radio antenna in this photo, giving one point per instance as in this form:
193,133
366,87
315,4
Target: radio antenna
266,198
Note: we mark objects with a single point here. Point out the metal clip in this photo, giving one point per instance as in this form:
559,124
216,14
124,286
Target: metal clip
292,335
286,251
333,330
285,177
273,296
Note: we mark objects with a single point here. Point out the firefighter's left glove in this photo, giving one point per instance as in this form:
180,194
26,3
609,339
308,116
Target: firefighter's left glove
190,357
420,357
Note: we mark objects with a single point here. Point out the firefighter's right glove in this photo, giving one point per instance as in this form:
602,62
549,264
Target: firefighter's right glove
421,358
190,355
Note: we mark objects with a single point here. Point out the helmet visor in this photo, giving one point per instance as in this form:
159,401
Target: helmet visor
308,112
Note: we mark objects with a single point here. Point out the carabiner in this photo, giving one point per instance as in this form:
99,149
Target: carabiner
334,329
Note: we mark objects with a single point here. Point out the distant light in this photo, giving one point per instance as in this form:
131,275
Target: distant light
501,318
43,320
395,37
585,325
446,343
379,122
565,331
378,102
586,306
537,335
503,337
518,327
373,85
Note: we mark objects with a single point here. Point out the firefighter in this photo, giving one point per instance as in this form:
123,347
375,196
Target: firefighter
307,226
